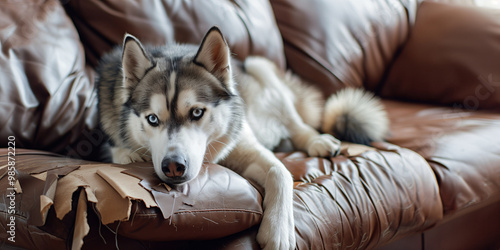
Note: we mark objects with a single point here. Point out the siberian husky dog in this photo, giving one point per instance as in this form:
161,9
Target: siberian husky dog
182,105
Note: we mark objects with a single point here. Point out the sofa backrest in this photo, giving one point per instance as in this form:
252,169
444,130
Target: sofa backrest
248,26
46,96
340,43
333,44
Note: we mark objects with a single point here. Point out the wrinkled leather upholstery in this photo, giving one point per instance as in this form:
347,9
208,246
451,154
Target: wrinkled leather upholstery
439,172
47,96
329,47
102,24
438,133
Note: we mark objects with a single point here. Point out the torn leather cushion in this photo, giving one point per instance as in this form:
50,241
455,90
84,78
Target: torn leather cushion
131,200
109,203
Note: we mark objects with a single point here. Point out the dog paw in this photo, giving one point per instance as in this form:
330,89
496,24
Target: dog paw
276,234
323,145
125,156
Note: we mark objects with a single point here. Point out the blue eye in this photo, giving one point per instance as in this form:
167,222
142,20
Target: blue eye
152,120
197,113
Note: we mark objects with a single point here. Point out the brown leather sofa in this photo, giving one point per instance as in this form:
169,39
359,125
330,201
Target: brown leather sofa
435,183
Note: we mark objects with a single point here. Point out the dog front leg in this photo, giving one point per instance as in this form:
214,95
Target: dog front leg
253,161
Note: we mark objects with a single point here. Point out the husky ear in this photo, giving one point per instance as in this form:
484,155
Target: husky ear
214,55
135,61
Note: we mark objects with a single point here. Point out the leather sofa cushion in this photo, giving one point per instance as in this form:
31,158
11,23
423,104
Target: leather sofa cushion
248,26
462,147
452,57
340,43
387,191
46,98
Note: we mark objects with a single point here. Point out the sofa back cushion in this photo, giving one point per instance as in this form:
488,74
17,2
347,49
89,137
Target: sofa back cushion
452,57
46,98
248,26
342,43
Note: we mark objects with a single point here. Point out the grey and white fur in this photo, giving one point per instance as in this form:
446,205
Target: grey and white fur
182,105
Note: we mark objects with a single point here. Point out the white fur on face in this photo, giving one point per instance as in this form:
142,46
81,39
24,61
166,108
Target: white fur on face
158,107
157,147
135,130
171,86
190,140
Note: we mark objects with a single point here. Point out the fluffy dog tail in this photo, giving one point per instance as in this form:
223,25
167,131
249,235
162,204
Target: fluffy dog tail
355,115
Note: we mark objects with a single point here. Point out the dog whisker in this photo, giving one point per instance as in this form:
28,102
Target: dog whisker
138,149
225,144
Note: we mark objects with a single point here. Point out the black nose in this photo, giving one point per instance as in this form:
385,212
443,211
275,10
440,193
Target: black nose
173,167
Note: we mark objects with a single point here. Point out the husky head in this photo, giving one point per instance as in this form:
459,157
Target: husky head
180,100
